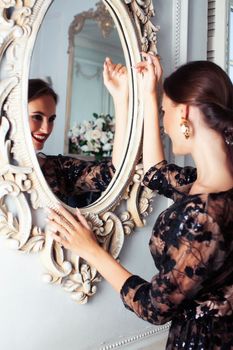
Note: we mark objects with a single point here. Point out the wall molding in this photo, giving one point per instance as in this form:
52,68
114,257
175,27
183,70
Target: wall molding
180,34
218,21
179,46
143,337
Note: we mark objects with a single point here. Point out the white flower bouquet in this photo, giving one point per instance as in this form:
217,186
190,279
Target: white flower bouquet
94,137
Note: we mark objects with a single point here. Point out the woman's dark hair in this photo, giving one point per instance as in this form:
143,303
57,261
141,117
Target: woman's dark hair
38,88
205,85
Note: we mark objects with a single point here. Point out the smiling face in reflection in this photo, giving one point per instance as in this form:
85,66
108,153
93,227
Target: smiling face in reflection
42,113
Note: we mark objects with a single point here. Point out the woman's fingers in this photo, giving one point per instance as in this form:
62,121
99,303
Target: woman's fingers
142,64
60,240
73,234
151,64
82,219
155,60
58,233
157,65
112,69
108,69
108,61
109,64
64,218
123,70
67,224
64,232
69,217
106,73
150,53
117,68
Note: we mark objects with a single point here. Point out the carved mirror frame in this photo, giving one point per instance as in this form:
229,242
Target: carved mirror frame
23,189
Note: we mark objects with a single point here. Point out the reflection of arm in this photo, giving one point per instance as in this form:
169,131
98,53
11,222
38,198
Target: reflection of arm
52,169
116,81
121,113
67,175
88,175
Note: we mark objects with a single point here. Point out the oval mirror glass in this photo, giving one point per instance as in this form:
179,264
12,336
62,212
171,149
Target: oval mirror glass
74,131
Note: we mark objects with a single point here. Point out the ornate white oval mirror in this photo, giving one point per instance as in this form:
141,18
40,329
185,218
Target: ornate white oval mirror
24,190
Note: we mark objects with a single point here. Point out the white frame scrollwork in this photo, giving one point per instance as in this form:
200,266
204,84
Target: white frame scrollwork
21,180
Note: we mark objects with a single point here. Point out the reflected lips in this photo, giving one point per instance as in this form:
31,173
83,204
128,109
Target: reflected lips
40,137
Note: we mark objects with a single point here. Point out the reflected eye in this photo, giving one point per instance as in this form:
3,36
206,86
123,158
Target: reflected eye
52,118
37,117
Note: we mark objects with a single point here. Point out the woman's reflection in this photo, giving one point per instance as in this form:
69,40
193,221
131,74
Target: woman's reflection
74,181
42,102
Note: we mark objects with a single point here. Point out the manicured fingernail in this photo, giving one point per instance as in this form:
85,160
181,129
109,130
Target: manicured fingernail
149,59
78,211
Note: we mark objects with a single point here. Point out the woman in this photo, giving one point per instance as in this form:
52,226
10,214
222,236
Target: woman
192,240
74,181
42,102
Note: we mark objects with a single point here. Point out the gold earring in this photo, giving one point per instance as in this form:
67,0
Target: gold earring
184,127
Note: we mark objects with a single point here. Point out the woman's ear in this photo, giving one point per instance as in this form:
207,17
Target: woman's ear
184,111
185,125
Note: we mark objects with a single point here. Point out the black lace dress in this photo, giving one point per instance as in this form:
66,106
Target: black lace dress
192,247
74,181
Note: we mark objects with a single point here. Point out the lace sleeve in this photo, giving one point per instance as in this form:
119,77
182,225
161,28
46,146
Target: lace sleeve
87,176
167,179
74,181
191,259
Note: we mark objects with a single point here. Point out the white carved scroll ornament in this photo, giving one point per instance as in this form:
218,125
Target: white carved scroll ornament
23,189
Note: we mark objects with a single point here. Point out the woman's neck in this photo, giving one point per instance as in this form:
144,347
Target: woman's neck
214,165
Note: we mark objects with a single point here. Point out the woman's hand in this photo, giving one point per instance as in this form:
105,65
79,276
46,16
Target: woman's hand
76,235
116,79
151,75
73,234
151,72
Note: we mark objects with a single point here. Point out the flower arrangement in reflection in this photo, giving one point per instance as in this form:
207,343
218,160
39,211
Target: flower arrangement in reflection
93,137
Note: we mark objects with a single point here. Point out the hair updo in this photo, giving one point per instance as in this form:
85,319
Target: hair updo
205,85
38,88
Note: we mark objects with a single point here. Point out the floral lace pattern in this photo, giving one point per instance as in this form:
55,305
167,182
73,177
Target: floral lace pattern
192,247
76,182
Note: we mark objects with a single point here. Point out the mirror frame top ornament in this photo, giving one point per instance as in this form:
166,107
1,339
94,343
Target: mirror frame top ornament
23,189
